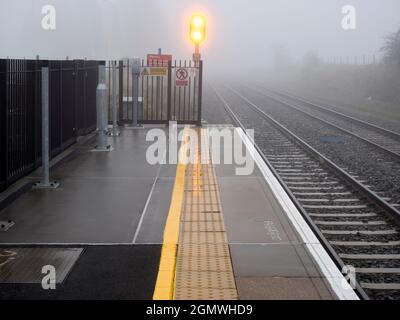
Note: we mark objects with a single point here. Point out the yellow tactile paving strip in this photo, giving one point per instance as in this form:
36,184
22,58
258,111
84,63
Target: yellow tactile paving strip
195,262
203,264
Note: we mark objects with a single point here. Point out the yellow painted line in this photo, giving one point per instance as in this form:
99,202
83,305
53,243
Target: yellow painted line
164,288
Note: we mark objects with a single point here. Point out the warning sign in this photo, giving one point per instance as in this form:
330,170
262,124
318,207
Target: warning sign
161,60
183,75
153,71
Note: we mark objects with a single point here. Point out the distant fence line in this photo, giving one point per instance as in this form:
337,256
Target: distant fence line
72,107
352,60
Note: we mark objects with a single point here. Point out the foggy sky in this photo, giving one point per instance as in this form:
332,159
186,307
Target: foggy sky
239,32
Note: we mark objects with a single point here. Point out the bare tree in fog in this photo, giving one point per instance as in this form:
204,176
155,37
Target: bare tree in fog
392,48
390,83
311,58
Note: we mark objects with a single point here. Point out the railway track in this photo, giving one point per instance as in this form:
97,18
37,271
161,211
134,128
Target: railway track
382,138
373,165
357,226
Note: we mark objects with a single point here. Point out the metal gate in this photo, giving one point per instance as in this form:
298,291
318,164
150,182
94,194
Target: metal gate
166,92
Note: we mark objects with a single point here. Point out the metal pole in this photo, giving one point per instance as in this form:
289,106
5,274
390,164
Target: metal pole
135,91
121,90
197,55
101,109
45,182
114,99
200,92
169,93
45,126
198,88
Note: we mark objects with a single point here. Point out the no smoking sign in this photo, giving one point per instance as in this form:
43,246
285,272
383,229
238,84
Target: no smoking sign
182,76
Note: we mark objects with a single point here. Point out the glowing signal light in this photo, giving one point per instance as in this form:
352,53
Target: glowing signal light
198,21
197,29
197,36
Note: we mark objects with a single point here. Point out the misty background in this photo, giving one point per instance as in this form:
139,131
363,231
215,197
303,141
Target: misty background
299,45
240,33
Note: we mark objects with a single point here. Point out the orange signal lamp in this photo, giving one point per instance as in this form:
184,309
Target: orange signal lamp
197,29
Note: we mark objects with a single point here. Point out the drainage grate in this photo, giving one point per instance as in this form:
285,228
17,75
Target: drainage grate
24,265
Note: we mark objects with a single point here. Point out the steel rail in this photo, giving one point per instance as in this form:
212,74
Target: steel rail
381,148
366,124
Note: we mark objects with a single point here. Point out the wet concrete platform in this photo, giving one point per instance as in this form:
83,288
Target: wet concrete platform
101,198
113,205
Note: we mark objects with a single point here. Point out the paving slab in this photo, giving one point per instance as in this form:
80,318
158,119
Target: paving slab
282,288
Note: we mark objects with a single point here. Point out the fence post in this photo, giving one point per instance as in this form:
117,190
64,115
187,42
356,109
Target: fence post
45,182
169,95
115,131
135,91
121,90
3,123
101,110
200,92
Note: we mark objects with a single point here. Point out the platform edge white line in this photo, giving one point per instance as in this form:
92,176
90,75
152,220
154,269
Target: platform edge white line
334,277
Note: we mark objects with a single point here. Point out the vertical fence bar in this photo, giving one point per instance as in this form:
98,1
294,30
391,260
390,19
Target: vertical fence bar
114,99
25,132
184,97
10,99
144,101
174,86
75,84
84,84
3,124
127,87
179,98
200,93
37,105
121,90
109,70
169,88
135,91
190,113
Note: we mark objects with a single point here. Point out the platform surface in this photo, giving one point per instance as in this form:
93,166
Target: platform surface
270,261
114,206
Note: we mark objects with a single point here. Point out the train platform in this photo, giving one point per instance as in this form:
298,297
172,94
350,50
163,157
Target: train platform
119,227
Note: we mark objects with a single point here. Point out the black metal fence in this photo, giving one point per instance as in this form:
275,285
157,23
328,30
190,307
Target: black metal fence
166,93
72,95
